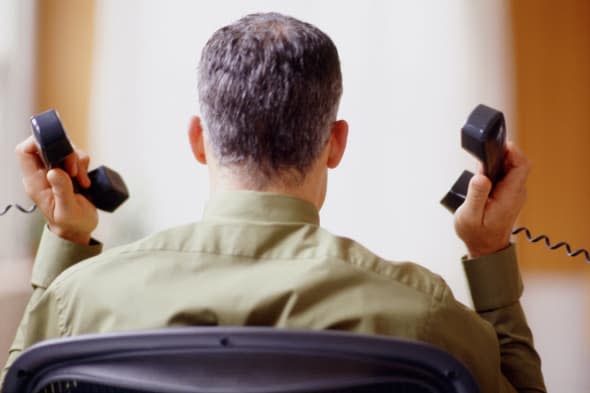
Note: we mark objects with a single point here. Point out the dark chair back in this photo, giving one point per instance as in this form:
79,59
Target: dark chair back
240,359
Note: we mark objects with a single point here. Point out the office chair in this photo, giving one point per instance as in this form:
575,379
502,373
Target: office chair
236,359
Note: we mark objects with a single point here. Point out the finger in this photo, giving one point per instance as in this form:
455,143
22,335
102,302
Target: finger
477,196
510,193
32,168
514,180
515,157
480,168
71,164
28,156
83,162
36,185
62,188
517,170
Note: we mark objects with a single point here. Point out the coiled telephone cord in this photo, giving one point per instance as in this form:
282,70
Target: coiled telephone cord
568,248
18,207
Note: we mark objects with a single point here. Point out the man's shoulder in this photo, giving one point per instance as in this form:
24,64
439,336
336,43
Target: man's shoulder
115,259
175,244
407,273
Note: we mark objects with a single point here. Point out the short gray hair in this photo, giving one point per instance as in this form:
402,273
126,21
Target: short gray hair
269,89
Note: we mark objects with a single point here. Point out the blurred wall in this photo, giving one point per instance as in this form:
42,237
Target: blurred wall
17,80
45,56
552,89
17,27
65,49
17,95
551,42
412,73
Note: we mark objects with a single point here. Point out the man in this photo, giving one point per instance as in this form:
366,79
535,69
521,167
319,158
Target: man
269,88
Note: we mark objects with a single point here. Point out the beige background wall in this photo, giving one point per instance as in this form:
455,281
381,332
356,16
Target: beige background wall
17,54
63,53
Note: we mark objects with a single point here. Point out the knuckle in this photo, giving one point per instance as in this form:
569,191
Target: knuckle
30,190
464,221
81,154
27,187
20,149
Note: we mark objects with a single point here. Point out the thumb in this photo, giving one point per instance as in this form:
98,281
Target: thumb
61,186
477,196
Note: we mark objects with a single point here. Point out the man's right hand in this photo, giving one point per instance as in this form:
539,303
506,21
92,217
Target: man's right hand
69,215
484,221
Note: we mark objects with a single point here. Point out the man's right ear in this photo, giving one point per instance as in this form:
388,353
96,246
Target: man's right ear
197,139
337,143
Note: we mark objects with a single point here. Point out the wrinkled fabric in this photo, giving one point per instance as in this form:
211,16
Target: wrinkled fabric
262,259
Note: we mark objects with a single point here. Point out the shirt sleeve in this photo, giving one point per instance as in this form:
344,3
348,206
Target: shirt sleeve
55,255
41,318
494,342
496,287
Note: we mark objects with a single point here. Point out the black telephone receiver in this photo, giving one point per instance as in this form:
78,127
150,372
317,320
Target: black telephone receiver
107,190
484,136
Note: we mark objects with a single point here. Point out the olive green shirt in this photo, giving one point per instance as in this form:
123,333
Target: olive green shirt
262,259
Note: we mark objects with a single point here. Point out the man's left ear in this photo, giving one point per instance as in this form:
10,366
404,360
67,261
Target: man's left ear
337,143
196,140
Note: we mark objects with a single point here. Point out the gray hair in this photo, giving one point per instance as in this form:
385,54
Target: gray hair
269,88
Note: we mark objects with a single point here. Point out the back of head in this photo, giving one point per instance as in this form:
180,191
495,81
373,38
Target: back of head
269,89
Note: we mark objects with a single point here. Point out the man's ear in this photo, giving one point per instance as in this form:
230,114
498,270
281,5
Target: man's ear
196,139
337,143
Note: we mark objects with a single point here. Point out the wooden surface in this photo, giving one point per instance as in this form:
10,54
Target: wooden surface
552,87
65,44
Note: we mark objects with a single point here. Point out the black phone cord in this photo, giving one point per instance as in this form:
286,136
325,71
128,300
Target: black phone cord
18,207
568,248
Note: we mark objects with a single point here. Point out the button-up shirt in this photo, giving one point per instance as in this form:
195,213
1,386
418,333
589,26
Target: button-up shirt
262,259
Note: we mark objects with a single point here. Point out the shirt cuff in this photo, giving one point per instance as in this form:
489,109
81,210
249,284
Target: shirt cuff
494,280
55,255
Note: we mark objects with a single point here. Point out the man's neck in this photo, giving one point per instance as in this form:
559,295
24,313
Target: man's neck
310,189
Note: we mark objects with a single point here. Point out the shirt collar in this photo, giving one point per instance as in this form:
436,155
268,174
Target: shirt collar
260,206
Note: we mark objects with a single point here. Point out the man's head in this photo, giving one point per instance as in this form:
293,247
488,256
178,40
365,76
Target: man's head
269,89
